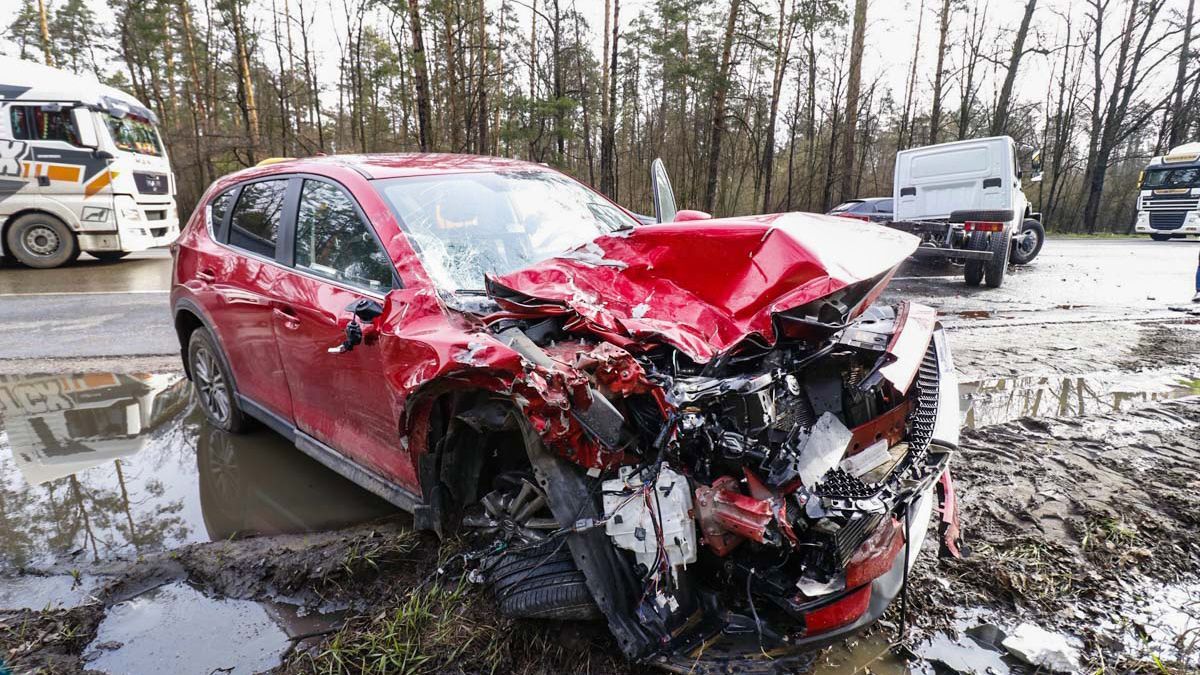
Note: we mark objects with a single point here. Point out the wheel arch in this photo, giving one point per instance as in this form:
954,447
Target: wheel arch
188,316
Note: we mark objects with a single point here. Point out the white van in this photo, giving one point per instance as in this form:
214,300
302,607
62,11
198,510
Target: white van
1168,202
965,200
82,168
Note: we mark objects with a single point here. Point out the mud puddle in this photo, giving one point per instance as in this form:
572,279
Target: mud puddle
997,400
102,467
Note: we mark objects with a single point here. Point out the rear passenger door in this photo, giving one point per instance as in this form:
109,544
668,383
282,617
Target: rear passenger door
243,285
341,399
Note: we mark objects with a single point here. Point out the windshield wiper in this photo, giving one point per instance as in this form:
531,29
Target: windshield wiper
470,291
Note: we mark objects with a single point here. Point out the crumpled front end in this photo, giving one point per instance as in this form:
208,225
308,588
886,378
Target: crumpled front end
755,499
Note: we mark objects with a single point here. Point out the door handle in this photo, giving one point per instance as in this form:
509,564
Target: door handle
287,316
206,275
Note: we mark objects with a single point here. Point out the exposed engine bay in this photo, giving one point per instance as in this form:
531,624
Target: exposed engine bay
773,496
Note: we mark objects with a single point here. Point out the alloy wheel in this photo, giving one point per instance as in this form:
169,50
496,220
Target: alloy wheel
211,385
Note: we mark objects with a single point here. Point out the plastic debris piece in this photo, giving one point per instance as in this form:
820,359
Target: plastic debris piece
824,447
1039,647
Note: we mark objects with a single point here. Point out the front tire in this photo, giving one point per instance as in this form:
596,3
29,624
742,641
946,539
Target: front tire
212,383
542,582
1028,243
41,241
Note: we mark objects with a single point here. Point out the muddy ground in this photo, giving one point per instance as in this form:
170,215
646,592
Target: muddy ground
180,549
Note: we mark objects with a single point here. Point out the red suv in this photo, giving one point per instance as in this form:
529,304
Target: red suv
699,431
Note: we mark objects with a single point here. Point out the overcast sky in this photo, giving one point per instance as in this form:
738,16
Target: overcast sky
891,33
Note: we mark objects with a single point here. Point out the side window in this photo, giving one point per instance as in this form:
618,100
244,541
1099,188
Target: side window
35,123
254,225
217,208
884,206
333,242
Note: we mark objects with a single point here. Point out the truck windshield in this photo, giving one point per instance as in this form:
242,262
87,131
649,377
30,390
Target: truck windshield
1172,178
133,134
471,224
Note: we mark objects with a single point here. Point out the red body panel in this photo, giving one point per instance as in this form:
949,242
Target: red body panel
705,287
700,286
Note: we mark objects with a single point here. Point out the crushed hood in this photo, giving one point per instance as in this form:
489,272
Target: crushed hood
703,287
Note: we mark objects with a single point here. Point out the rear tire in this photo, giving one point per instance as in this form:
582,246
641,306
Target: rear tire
1001,244
41,241
973,269
1158,236
1022,253
542,582
109,256
213,384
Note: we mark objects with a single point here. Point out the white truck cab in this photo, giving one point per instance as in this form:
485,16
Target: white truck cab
1168,203
965,200
82,169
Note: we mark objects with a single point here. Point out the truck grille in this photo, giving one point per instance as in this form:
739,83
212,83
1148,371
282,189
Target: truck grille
151,183
1167,220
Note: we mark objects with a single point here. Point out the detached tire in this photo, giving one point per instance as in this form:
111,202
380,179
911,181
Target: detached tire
542,582
973,268
1032,231
1000,244
41,241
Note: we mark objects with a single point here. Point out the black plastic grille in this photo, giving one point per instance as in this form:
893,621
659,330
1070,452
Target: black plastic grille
1167,220
923,417
851,535
151,183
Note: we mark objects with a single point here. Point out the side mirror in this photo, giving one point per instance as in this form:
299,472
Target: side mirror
661,193
364,310
1035,163
690,214
85,126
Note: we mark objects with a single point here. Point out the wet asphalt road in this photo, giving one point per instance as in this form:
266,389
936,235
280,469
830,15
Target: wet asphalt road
94,309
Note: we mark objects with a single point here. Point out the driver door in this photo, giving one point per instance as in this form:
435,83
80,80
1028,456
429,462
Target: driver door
341,399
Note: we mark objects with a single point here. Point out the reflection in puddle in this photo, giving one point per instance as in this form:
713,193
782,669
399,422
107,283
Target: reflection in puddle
102,466
176,629
998,400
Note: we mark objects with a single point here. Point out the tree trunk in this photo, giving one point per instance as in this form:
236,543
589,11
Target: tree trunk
783,46
906,116
935,115
608,174
44,26
720,92
482,118
420,76
1000,119
1179,118
852,90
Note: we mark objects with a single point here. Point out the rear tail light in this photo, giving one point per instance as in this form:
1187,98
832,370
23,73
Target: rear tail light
982,226
853,216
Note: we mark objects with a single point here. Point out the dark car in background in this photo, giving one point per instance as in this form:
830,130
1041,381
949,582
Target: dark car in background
870,209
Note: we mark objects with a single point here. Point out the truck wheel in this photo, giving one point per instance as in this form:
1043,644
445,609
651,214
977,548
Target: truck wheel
41,241
973,269
213,385
542,582
993,216
1001,244
1158,236
109,256
1028,242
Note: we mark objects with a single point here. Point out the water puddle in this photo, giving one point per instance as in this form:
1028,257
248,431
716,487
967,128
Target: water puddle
55,591
176,629
1003,399
107,466
1161,621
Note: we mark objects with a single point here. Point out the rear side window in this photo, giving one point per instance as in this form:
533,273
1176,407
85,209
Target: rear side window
884,206
254,225
35,123
216,210
332,241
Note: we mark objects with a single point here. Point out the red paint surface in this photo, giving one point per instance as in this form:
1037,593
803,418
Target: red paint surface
837,614
703,287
